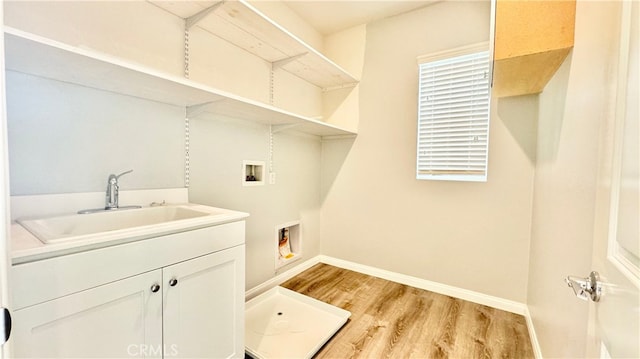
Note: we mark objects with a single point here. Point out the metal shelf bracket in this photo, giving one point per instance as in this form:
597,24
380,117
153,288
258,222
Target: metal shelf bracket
195,110
195,18
286,60
340,87
280,128
338,137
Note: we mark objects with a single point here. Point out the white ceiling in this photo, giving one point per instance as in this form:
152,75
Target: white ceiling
330,16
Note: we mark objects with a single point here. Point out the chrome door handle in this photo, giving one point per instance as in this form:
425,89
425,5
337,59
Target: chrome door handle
586,288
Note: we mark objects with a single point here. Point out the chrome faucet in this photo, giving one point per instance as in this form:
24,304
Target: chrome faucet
111,201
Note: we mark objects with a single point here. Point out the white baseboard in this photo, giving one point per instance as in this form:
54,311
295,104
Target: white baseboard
537,352
465,294
471,296
281,278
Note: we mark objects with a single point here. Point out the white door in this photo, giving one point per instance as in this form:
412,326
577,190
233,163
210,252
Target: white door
204,306
4,193
122,319
615,319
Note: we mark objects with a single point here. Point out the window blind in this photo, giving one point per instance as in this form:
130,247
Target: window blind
453,118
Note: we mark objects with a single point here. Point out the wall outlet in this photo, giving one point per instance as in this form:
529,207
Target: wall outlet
272,178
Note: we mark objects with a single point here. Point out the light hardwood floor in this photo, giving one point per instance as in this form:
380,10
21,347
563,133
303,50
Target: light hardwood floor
391,320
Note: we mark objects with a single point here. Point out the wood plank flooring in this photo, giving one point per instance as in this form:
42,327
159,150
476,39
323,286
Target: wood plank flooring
391,320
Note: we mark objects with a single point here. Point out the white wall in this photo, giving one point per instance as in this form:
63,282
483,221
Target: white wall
66,138
347,48
217,151
572,110
374,212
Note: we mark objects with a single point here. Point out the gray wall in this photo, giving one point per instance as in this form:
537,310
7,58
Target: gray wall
464,234
65,138
218,148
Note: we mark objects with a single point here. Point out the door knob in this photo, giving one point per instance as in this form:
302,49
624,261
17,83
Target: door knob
586,288
155,287
173,282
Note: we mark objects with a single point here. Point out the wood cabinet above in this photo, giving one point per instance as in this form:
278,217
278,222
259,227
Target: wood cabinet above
532,39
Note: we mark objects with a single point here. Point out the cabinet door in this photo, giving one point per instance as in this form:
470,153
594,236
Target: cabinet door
204,306
116,320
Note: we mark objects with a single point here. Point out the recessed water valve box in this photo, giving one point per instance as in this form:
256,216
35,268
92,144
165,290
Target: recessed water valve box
288,243
252,173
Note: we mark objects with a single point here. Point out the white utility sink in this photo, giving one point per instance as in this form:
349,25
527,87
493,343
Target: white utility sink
117,224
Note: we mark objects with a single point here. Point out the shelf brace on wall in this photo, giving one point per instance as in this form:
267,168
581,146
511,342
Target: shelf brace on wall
186,53
195,110
338,137
286,60
340,87
273,129
280,128
186,151
276,65
271,85
191,112
188,24
271,154
192,20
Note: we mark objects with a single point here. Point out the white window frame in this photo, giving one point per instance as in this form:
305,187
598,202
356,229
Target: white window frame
426,171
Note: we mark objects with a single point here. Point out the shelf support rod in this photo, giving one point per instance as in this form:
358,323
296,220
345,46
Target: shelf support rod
187,167
280,128
286,60
195,18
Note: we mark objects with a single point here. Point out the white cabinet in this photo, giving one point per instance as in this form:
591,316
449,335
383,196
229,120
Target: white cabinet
189,304
115,320
203,316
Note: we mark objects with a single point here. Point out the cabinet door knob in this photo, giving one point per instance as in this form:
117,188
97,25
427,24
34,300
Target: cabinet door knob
155,287
173,282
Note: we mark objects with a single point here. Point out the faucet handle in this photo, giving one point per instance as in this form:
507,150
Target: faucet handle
123,173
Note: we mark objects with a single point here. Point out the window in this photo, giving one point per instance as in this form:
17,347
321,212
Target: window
453,115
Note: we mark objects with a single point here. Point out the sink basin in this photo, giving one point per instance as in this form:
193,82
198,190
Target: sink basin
124,223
